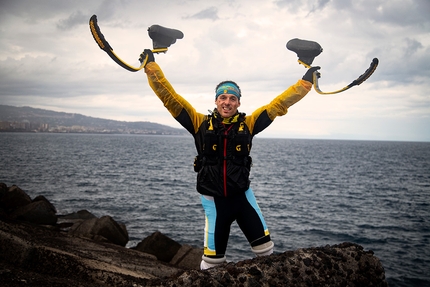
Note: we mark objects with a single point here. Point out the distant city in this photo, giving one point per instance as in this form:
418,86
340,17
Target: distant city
27,126
27,119
24,126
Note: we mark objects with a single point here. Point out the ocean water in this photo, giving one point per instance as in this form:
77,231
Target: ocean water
311,192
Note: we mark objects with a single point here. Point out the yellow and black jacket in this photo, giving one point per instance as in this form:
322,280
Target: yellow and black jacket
223,162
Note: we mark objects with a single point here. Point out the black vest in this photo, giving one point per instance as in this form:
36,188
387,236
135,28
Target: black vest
223,164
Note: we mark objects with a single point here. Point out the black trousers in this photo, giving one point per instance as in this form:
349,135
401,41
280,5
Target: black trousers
221,212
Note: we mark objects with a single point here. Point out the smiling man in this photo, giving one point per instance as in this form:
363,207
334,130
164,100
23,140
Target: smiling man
223,140
227,98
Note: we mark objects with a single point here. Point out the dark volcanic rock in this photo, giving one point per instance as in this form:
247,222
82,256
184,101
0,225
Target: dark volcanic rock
12,198
48,255
38,256
38,212
44,257
170,251
346,264
188,257
79,215
104,229
158,244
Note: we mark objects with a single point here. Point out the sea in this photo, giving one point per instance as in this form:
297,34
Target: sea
312,192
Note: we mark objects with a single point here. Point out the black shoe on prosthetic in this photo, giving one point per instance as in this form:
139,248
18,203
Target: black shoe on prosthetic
305,50
163,37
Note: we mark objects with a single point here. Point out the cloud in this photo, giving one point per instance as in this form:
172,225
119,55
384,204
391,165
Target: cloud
48,58
412,47
208,13
318,6
75,19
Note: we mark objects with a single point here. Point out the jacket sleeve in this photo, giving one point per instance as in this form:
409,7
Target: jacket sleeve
264,116
178,107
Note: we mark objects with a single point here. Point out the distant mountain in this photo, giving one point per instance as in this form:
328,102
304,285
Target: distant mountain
32,119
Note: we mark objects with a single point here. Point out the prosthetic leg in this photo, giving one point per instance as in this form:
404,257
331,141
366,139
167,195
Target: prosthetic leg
161,37
308,50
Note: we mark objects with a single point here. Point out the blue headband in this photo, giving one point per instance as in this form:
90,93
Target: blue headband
228,88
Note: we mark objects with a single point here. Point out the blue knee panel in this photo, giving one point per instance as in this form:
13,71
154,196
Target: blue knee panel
253,201
210,214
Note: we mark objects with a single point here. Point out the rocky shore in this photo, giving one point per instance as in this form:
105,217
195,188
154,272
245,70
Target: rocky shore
40,248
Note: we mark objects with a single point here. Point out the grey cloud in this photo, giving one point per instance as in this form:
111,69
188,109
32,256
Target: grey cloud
105,10
395,13
310,5
36,10
209,13
405,64
412,46
75,19
288,4
320,5
391,12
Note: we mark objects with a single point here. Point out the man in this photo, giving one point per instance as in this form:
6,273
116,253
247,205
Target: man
223,140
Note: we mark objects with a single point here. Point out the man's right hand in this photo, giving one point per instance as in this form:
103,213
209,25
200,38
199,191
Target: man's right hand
146,53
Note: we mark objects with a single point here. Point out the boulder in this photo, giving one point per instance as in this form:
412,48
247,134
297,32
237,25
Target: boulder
158,244
3,189
79,215
38,212
42,198
65,222
13,198
188,257
104,229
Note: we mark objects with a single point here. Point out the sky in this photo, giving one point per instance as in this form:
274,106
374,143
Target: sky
49,60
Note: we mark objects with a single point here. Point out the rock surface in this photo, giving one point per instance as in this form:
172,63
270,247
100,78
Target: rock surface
39,256
42,256
161,246
55,255
104,229
346,264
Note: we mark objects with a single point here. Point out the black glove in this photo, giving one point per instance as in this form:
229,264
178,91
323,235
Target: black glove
146,52
309,74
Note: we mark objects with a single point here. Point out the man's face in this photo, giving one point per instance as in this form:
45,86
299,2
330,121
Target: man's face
227,105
